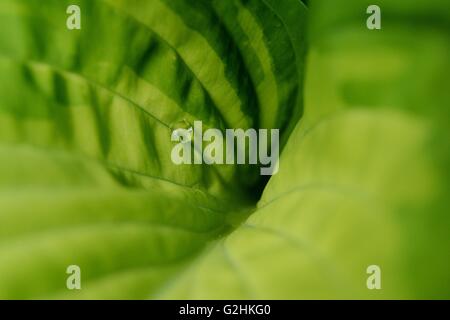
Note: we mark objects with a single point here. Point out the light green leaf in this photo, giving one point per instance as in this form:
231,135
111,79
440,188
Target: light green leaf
363,179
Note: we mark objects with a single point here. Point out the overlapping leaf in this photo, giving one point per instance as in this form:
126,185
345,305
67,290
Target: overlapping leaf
364,178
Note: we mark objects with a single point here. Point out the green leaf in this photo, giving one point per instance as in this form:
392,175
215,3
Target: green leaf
85,171
86,118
